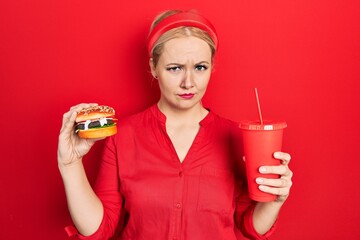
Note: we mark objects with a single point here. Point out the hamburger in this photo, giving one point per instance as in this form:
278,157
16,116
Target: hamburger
96,122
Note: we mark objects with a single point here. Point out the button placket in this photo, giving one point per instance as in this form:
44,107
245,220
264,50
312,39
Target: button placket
178,202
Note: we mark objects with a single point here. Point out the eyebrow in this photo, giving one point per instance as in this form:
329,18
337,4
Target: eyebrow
203,62
179,64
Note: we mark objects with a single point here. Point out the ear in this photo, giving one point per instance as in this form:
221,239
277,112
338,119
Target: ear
152,67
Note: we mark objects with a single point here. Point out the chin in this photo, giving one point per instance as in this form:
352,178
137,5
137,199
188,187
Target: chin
187,105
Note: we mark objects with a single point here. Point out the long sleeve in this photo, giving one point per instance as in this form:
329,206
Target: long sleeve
107,189
244,217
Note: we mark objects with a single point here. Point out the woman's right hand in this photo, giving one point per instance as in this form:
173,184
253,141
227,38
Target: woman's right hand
71,147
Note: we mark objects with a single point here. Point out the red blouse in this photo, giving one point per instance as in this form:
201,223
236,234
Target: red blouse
147,193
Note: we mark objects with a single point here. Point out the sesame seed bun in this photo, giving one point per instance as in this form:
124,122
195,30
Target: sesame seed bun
94,113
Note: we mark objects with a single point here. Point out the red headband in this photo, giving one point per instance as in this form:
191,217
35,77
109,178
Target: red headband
182,19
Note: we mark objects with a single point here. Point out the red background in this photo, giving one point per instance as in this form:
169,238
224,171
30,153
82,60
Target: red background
304,57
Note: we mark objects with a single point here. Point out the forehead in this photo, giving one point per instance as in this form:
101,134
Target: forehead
186,48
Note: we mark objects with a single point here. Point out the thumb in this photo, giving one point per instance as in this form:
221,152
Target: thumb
91,141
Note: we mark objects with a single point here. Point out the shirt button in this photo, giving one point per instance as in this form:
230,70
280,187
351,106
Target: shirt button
180,174
178,205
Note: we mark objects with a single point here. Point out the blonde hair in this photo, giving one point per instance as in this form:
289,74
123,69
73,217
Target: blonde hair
178,32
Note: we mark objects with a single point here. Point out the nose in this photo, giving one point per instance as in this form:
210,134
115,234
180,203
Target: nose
187,81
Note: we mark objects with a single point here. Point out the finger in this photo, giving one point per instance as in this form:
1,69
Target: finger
278,182
70,114
275,191
67,115
68,124
284,157
91,141
82,106
280,169
243,158
65,119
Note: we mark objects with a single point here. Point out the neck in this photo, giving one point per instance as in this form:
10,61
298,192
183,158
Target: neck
183,116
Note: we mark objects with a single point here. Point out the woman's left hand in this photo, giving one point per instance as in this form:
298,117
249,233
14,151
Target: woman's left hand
279,186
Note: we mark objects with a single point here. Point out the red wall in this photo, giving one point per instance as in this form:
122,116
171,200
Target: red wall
304,57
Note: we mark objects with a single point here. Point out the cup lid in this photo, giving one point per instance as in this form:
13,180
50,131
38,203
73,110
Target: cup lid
267,125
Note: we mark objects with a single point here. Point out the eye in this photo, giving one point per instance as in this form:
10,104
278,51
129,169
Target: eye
201,67
174,68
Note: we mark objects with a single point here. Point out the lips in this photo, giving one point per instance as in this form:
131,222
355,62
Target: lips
187,95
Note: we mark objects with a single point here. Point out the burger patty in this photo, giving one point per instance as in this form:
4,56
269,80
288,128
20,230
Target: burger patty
93,124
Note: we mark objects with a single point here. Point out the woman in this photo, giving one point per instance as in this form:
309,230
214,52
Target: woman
173,170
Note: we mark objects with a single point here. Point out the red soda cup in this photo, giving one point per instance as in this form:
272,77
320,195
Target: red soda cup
260,141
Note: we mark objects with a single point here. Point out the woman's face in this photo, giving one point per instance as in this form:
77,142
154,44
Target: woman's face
183,72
